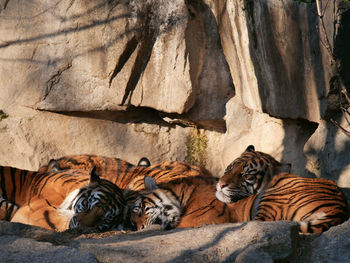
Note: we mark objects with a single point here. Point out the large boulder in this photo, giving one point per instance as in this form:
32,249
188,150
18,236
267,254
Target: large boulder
138,78
241,242
267,242
106,56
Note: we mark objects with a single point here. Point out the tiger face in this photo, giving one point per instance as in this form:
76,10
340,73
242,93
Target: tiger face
98,205
154,206
247,175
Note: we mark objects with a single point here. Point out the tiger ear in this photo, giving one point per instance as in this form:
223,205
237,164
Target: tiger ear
53,166
250,148
144,162
94,177
150,183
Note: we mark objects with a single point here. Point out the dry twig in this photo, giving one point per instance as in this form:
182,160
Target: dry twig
327,45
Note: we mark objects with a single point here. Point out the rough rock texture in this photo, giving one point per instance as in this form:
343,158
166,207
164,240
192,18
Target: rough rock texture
104,55
135,78
214,243
244,242
194,80
333,245
283,139
327,152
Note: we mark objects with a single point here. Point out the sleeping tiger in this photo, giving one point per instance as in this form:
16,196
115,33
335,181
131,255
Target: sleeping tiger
248,174
60,200
122,173
116,170
316,204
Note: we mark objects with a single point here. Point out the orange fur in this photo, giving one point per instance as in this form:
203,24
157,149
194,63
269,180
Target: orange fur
248,174
198,203
42,197
39,213
316,203
124,174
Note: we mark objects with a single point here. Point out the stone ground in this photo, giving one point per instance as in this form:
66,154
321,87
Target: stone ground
240,242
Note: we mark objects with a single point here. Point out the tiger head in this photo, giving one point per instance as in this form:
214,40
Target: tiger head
247,175
153,206
98,205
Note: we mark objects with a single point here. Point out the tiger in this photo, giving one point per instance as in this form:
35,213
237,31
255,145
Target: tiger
108,168
316,204
104,165
123,173
80,200
248,174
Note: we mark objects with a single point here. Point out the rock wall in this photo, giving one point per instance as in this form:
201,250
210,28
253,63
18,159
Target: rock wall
139,78
194,80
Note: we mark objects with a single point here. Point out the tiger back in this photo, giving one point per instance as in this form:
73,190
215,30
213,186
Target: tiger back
64,194
123,173
248,174
115,170
316,204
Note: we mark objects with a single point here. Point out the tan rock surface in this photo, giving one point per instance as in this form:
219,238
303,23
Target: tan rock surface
136,78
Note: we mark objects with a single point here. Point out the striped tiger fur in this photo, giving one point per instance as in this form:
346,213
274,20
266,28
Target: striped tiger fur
109,168
7,209
248,174
81,199
123,173
316,204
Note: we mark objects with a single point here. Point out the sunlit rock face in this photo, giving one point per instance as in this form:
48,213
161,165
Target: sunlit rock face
137,78
277,61
107,55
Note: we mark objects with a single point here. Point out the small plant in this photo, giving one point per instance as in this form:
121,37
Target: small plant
3,115
196,148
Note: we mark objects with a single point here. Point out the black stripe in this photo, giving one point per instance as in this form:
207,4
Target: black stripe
73,161
13,180
2,181
9,211
21,179
206,208
255,206
157,196
47,218
267,211
38,183
223,210
129,172
118,170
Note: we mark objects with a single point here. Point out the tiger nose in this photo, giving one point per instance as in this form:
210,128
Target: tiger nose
222,184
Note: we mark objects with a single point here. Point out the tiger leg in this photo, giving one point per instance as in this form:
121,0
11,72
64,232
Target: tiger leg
321,221
7,209
40,213
309,223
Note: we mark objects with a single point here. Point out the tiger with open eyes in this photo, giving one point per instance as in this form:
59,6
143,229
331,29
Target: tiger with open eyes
122,173
316,204
248,174
60,200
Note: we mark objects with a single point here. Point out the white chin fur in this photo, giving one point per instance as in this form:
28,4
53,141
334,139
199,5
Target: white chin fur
222,197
